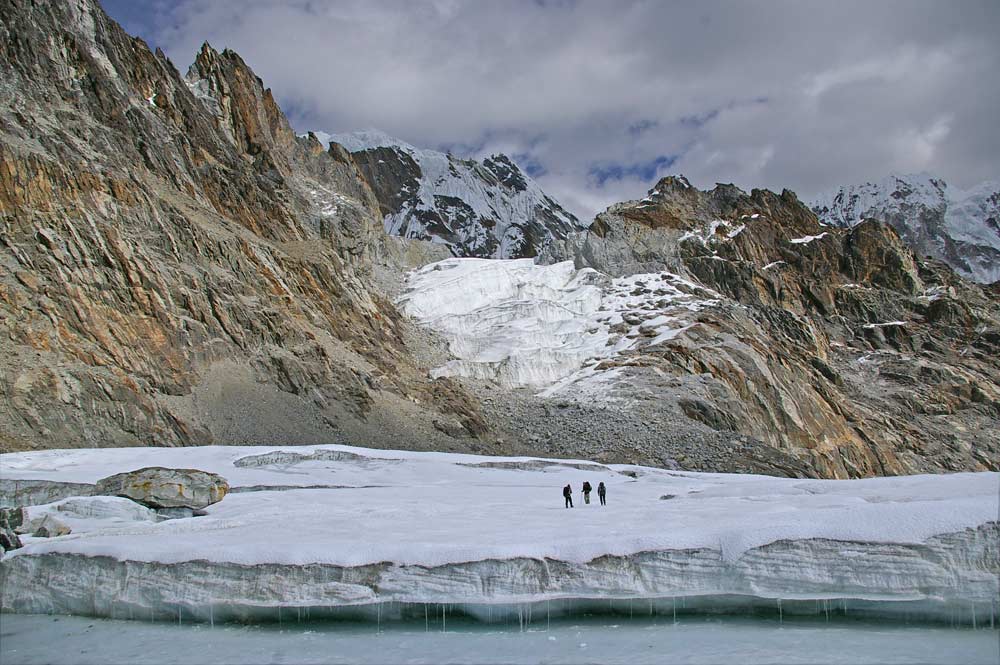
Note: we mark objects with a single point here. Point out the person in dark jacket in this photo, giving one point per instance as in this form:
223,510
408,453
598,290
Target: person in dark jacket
586,492
601,491
568,495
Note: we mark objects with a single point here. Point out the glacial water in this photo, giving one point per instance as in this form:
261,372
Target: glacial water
457,639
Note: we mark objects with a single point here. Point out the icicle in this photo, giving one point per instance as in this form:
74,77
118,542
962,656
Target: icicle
211,615
674,601
973,603
427,625
179,622
548,616
826,609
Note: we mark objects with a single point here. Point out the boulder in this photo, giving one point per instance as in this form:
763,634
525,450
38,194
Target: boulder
50,527
160,487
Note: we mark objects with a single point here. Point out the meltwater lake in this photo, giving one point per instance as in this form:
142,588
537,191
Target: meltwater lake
63,640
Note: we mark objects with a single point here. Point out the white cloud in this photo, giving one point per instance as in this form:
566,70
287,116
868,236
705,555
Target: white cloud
804,95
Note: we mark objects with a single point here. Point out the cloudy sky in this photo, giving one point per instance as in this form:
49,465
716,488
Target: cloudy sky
597,100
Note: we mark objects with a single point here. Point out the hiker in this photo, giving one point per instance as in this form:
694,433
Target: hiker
568,495
601,491
586,491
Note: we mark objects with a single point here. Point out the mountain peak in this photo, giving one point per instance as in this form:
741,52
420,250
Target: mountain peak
961,228
488,209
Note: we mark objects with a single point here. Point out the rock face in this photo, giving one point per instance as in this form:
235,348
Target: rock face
159,487
10,520
487,209
835,345
960,228
179,268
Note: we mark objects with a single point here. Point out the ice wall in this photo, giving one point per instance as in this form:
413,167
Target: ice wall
948,577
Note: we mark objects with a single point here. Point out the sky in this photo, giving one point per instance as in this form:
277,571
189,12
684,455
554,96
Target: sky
598,100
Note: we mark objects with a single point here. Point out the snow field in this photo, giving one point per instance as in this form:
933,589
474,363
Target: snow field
371,526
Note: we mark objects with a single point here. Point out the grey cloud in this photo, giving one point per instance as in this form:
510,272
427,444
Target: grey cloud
805,95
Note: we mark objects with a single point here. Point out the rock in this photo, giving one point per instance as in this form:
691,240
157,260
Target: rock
160,487
50,527
12,518
8,539
187,270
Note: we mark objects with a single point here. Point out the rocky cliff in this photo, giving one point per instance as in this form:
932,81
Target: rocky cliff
960,228
177,266
837,346
488,209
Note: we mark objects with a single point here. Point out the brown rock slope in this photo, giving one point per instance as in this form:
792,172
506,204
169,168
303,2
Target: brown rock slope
835,345
176,266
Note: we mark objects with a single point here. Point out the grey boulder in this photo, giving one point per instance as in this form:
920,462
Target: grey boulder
160,487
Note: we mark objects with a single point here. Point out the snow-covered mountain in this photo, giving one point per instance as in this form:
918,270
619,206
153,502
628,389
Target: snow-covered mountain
488,209
961,228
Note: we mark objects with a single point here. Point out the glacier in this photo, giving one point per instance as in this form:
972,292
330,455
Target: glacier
518,323
330,530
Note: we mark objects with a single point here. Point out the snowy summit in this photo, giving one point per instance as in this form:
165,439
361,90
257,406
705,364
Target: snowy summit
488,209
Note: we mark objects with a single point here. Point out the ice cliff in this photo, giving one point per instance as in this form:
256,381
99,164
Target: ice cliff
341,527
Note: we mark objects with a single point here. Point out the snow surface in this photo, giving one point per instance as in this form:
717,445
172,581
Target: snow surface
522,324
437,508
471,182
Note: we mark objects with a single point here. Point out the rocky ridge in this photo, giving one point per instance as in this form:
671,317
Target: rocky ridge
178,267
960,228
488,209
835,346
